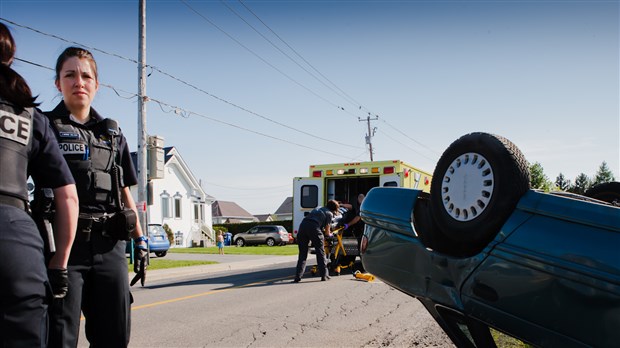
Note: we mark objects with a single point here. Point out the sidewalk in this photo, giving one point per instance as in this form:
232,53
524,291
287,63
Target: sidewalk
226,263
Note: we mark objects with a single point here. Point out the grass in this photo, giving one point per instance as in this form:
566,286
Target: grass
159,263
285,250
162,263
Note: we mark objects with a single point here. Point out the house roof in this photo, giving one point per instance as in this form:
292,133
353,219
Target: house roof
230,210
286,207
262,217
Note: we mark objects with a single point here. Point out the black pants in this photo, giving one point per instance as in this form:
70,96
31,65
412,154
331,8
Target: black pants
99,287
24,289
310,231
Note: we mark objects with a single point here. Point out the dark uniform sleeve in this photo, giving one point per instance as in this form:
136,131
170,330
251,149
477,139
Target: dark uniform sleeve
130,177
46,165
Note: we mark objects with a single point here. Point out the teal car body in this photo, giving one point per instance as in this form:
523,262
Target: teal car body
550,276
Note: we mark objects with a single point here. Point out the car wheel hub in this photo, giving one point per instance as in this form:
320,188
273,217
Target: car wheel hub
467,186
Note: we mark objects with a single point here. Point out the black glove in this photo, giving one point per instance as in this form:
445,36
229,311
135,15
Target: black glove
59,280
139,264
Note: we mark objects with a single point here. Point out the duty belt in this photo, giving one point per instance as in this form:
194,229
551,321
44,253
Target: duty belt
91,222
14,202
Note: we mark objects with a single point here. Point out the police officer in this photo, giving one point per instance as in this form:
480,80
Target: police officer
311,230
27,146
95,149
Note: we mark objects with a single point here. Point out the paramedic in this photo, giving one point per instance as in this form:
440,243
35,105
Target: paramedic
27,146
311,230
356,224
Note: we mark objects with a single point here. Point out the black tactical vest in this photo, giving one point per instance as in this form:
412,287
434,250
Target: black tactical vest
15,142
90,156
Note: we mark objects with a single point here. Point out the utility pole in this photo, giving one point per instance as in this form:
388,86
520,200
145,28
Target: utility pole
370,134
142,99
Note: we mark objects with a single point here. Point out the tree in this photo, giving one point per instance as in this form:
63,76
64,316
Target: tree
603,174
562,183
538,179
582,184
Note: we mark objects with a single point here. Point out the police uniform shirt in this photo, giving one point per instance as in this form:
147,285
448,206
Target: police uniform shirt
46,164
129,173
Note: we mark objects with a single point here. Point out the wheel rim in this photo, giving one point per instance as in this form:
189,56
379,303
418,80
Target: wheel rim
270,242
467,186
240,242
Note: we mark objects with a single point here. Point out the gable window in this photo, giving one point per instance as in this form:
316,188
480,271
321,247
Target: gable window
177,206
165,204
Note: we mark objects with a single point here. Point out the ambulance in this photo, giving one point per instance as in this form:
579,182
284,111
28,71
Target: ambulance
345,181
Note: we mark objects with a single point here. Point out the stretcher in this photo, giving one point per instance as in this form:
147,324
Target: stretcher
340,251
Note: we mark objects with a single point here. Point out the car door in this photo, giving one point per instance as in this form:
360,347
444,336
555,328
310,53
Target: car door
262,234
251,236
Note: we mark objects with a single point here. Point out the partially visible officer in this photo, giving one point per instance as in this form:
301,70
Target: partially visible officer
28,147
312,228
99,158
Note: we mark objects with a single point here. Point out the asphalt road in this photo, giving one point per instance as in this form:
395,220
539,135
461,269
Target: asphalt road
249,301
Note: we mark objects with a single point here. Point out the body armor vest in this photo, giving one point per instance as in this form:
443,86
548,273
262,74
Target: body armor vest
90,154
16,129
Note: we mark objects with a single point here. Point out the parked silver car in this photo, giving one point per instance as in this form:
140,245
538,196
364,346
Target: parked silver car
263,234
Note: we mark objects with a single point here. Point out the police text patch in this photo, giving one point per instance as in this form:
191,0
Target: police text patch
72,148
15,127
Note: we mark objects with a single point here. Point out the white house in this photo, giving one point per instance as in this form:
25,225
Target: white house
179,201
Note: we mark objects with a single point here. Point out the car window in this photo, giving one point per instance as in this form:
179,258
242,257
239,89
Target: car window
156,230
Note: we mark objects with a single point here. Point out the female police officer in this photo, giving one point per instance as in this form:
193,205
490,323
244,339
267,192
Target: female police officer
27,146
94,148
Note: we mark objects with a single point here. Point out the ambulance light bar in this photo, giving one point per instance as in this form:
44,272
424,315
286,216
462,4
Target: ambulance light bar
317,174
388,170
363,170
375,170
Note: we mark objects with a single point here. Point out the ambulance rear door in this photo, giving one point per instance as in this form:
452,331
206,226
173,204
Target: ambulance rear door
307,195
390,180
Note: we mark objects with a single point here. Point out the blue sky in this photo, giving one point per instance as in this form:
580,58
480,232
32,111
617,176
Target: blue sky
544,74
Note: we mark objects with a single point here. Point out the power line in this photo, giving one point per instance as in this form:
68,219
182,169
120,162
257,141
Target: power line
258,56
212,95
410,148
410,138
352,101
275,46
250,111
186,113
181,81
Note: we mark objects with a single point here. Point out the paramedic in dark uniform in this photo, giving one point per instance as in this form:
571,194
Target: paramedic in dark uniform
311,230
92,145
28,146
356,224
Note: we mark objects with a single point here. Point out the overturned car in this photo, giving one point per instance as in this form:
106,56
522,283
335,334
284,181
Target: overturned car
489,257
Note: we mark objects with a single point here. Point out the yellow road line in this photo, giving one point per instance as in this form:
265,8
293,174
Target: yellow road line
133,308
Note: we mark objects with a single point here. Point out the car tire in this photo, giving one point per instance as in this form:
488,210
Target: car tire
607,192
240,242
476,185
271,242
161,253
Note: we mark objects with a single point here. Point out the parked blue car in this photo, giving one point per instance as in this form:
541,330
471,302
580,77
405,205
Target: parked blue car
490,258
158,241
